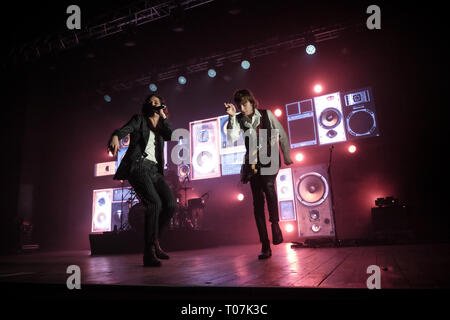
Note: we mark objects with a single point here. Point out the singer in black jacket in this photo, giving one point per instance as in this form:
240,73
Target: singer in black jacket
142,166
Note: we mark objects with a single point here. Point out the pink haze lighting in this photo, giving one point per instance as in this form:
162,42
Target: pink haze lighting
352,148
289,227
278,112
299,157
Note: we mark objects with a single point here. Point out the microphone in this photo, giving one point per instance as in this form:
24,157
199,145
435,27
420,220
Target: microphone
159,107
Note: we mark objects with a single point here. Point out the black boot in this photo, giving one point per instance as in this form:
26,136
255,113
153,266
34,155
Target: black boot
266,252
160,252
277,236
150,257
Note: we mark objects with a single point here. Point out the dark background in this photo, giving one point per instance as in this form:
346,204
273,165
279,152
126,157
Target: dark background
56,123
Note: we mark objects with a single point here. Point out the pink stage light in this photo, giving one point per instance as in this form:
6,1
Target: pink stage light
299,157
352,148
318,88
278,112
289,227
110,153
240,197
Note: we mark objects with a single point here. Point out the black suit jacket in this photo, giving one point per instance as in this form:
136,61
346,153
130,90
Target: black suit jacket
139,129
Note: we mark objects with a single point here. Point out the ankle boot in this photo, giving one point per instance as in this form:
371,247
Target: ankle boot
160,252
266,252
150,257
277,236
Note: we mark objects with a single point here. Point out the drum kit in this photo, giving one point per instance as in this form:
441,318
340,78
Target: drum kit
188,216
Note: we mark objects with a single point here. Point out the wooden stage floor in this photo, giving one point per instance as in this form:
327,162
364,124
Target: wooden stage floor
402,266
412,276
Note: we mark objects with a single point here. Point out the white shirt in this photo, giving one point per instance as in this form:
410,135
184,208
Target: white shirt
235,131
150,148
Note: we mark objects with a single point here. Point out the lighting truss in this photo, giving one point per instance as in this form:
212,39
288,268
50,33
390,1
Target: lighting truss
268,47
137,14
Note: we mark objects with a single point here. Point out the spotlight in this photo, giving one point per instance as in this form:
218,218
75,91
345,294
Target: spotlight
110,153
310,49
289,227
299,157
240,197
182,80
318,88
352,148
278,112
212,73
152,87
107,98
245,64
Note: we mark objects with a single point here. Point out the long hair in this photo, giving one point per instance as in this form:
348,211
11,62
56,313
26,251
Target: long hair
243,95
147,108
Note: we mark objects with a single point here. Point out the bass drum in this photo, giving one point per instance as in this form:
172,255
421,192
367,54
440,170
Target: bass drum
136,217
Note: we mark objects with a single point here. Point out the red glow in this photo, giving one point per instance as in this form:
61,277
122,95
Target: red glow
352,148
110,153
289,227
299,157
278,112
318,88
240,197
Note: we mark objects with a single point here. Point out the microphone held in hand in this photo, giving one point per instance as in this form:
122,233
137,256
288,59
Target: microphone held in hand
148,109
157,108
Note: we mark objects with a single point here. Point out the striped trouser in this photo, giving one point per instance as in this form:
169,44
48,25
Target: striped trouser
156,196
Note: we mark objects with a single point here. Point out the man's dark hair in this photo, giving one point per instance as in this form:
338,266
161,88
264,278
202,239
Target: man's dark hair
243,95
147,106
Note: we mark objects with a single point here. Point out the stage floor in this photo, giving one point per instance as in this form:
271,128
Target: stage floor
402,266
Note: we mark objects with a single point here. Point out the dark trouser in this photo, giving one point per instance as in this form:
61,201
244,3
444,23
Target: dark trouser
260,185
156,195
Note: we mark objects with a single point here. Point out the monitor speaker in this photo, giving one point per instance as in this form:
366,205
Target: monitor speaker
360,114
313,202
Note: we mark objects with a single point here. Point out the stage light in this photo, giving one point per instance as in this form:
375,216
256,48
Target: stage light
318,88
289,227
299,157
212,73
152,87
240,197
107,98
278,112
110,153
182,80
245,64
352,148
310,49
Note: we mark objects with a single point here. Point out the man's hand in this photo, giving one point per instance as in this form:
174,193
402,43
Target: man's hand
114,145
162,114
230,109
288,162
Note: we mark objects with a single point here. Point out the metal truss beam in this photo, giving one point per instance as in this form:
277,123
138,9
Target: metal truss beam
234,56
137,14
